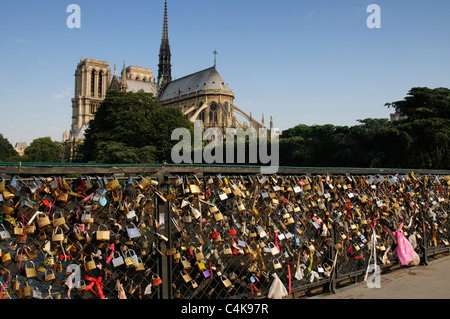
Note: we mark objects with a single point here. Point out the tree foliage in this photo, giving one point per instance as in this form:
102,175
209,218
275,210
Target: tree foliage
43,149
421,140
131,128
7,151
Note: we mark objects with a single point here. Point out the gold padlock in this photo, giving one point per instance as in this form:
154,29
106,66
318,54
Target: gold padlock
30,272
226,282
276,264
58,221
58,234
140,266
102,232
89,265
186,277
43,221
49,275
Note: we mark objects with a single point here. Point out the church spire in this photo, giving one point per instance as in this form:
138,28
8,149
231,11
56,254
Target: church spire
164,66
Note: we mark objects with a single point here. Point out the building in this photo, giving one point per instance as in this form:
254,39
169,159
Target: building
20,147
203,95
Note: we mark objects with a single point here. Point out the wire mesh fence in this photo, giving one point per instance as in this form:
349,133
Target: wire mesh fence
208,236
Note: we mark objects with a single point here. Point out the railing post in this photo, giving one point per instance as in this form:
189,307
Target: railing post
164,230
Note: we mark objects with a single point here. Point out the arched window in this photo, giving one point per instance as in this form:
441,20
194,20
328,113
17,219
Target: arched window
213,114
92,82
100,83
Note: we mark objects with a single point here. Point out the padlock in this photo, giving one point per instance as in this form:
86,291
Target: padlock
87,218
187,217
78,234
42,221
144,183
273,249
19,256
30,272
186,264
25,291
22,239
196,213
82,286
4,234
49,261
156,280
49,275
214,235
89,265
223,195
198,254
58,221
57,234
133,231
261,232
6,256
14,186
206,273
140,265
113,184
117,260
130,258
186,277
29,229
226,282
143,242
18,229
194,189
227,250
218,216
213,209
102,233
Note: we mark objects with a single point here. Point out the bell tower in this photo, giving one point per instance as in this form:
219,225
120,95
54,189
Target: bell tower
164,66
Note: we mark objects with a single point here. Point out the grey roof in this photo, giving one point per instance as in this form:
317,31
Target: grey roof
208,79
141,86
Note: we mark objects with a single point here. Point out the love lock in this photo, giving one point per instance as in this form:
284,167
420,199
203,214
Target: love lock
133,231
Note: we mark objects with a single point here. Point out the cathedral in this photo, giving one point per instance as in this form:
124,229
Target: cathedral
203,95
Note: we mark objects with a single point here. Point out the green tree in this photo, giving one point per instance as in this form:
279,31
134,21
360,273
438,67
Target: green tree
133,124
7,151
427,121
424,103
43,149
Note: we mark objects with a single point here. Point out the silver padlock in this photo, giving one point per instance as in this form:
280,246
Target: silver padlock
4,234
133,232
117,261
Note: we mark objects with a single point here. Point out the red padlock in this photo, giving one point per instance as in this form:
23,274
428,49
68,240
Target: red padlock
214,235
156,280
232,232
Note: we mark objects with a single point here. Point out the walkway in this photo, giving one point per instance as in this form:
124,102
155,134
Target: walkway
419,282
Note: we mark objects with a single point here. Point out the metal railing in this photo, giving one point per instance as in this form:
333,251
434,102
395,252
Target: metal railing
208,232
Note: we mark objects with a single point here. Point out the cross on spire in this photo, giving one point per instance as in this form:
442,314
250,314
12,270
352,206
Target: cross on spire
215,54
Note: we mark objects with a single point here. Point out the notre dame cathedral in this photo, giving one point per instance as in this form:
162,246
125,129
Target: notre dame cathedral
203,95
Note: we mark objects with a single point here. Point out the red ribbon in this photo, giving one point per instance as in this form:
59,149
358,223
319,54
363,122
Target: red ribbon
290,278
98,283
252,286
349,208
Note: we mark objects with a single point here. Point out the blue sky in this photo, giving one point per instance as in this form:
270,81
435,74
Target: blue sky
303,62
